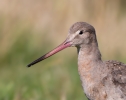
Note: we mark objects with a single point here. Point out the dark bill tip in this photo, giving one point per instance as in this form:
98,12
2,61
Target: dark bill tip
29,65
38,60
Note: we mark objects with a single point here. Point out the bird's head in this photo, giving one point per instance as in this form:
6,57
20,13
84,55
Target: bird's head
80,34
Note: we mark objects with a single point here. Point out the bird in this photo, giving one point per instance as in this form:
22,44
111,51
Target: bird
101,80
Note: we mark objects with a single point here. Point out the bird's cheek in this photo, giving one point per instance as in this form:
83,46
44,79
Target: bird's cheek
76,42
73,44
86,41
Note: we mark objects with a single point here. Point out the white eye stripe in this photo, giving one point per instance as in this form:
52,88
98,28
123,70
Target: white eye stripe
72,36
78,32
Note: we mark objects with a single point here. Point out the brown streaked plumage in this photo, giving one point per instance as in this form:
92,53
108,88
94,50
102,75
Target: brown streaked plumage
101,80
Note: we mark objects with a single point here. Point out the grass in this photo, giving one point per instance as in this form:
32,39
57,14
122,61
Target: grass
53,79
43,81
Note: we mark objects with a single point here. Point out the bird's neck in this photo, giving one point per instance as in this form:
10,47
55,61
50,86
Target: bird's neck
89,60
89,52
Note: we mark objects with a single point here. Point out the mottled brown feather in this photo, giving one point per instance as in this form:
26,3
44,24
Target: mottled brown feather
118,72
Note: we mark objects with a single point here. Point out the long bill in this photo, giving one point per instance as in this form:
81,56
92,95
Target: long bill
57,49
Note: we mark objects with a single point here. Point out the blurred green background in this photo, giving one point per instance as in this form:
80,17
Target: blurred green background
30,28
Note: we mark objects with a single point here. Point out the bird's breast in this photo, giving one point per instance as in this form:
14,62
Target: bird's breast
91,83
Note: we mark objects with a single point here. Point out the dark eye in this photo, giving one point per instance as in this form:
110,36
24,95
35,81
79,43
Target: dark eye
81,32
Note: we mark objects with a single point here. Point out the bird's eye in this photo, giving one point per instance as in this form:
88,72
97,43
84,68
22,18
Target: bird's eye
81,32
